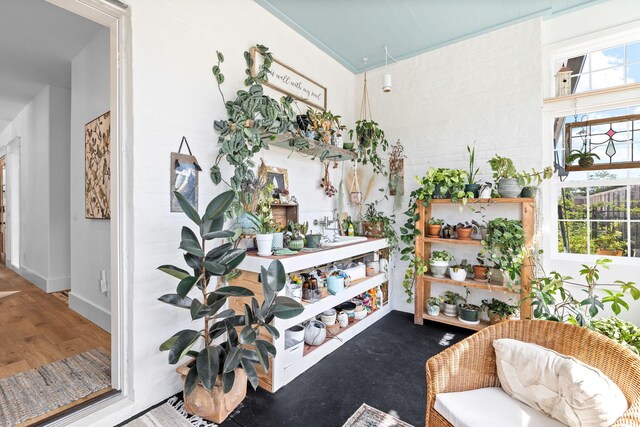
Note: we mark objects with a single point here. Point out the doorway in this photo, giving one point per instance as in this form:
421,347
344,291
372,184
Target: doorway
3,211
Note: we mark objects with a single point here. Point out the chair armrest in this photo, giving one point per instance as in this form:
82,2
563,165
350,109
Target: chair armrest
631,417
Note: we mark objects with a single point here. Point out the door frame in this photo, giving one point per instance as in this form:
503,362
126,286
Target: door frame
3,211
115,16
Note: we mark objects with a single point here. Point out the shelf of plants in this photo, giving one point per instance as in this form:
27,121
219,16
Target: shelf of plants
313,148
315,354
471,283
312,309
423,251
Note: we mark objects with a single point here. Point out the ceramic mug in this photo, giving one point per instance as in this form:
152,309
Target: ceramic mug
343,319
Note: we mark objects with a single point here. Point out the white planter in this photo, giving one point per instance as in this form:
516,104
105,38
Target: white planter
439,268
433,310
450,310
458,276
265,243
315,333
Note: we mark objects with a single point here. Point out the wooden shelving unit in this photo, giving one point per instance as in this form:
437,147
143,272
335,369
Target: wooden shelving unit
423,251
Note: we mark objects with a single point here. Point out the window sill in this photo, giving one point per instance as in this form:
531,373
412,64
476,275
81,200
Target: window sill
587,259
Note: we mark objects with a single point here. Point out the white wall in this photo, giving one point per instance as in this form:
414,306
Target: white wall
90,238
486,89
174,94
44,225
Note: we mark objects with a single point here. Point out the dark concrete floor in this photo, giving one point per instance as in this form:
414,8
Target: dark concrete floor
384,367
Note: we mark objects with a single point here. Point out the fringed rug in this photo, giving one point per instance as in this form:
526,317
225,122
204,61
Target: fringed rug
366,416
33,393
169,414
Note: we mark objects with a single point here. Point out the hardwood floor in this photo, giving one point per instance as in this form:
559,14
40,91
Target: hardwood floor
36,328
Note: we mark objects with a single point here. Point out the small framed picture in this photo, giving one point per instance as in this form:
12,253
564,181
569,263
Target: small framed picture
276,176
184,179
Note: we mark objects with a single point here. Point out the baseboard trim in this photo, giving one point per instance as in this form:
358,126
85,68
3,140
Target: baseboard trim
89,310
32,277
48,285
59,284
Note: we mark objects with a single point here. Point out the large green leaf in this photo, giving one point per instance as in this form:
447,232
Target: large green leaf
263,354
232,259
187,208
188,234
232,360
176,300
273,331
215,268
192,247
286,308
216,253
250,370
228,379
199,310
174,271
248,335
208,363
275,276
234,291
219,205
186,339
185,286
222,234
224,314
191,381
165,346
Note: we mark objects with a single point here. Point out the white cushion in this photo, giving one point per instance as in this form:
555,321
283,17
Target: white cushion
489,407
561,386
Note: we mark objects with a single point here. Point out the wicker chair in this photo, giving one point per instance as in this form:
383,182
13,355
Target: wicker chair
471,364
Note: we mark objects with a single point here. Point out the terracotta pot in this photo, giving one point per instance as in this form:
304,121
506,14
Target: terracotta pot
372,229
480,272
433,230
214,405
495,318
464,233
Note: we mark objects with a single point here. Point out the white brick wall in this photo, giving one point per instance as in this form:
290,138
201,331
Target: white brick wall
487,89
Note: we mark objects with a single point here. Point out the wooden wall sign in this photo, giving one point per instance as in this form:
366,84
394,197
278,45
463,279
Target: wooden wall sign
97,167
286,80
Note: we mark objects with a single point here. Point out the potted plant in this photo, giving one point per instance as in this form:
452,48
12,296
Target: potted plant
294,236
313,239
472,186
433,305
246,201
450,303
499,311
506,176
480,226
480,270
434,226
370,138
468,313
262,221
460,271
486,190
530,181
504,246
439,263
278,237
464,230
584,157
215,376
378,224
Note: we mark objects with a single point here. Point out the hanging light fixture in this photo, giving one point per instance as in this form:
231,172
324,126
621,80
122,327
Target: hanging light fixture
386,78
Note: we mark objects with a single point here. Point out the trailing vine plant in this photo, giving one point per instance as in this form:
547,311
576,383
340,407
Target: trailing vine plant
253,120
443,181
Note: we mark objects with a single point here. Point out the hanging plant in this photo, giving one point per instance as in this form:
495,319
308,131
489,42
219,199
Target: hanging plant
396,170
369,135
253,120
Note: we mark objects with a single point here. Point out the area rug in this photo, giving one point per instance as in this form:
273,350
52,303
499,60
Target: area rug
33,393
169,414
366,416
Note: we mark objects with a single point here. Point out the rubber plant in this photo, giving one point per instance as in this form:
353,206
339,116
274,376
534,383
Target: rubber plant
229,340
451,181
254,119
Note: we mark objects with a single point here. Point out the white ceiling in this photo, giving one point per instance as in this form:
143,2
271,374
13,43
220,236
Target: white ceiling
37,43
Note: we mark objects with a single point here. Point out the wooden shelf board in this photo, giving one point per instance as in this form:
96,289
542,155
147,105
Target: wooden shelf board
441,318
471,283
472,242
316,148
496,200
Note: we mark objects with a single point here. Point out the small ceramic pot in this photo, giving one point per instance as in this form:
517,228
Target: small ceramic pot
313,240
485,192
509,187
315,332
450,310
480,272
278,241
438,268
473,188
343,319
433,230
329,317
464,233
359,315
265,242
296,245
469,313
529,192
294,333
458,276
433,310
497,277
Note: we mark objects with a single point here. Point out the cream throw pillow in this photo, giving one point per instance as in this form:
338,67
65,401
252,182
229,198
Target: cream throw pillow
561,386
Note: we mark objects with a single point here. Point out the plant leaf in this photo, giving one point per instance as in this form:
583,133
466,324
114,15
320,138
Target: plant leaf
185,340
286,308
273,331
192,247
250,370
219,205
222,234
185,286
228,378
232,360
208,363
191,381
233,291
263,355
176,300
189,210
174,271
199,310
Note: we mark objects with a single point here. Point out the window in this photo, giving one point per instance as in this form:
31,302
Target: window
601,69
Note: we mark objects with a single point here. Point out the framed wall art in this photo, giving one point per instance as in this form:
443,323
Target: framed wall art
276,176
97,167
184,179
286,80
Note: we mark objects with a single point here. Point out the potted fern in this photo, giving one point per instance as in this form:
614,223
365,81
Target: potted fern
228,345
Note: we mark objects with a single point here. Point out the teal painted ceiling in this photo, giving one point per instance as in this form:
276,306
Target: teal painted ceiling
349,30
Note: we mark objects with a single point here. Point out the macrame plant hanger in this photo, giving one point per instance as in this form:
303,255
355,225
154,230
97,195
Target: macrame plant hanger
365,106
355,193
